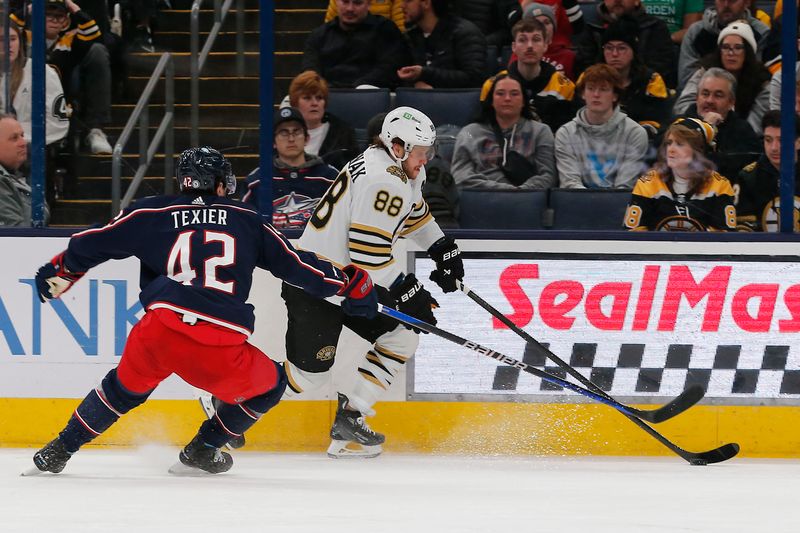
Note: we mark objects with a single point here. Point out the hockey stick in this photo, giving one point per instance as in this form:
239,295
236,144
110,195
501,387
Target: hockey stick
679,404
717,455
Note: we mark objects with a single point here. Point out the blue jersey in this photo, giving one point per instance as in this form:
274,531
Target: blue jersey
198,253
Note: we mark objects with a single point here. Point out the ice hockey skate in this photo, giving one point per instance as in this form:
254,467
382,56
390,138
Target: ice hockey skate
210,404
351,436
199,459
52,458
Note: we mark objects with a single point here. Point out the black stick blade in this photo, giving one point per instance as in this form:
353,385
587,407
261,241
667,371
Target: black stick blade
718,455
679,404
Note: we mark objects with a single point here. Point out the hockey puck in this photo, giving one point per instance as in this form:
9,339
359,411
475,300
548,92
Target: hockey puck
698,462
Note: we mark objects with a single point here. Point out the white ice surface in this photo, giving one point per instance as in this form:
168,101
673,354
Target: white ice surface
114,491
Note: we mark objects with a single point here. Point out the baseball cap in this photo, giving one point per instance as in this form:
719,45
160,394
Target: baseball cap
289,114
61,4
540,10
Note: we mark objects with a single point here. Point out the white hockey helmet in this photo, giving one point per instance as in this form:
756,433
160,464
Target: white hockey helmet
411,126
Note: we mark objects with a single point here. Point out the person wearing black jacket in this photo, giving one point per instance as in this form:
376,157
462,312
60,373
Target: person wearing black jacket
448,51
645,98
655,43
490,16
736,142
356,48
758,184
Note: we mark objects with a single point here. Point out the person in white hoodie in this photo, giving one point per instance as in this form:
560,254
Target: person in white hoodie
56,110
601,148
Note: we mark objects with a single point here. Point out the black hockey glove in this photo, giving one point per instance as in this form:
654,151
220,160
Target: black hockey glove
54,279
414,300
449,266
360,298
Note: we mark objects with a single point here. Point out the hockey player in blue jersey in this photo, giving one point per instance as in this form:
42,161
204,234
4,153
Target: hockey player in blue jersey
198,251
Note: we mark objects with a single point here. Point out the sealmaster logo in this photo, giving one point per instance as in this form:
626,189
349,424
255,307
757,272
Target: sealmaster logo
654,297
636,326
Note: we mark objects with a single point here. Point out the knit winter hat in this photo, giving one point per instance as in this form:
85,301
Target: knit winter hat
707,132
538,10
624,29
743,30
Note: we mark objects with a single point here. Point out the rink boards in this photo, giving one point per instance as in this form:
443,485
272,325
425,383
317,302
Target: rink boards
643,317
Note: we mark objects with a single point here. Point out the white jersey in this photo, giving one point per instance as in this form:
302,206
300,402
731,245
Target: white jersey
370,205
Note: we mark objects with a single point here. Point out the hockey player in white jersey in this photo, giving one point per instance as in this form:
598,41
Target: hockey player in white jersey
375,200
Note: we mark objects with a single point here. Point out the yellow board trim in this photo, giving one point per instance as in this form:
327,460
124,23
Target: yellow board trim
435,427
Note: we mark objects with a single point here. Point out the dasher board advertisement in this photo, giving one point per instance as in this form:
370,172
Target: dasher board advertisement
640,327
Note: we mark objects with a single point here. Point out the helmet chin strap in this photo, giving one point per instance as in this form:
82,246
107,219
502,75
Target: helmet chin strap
406,153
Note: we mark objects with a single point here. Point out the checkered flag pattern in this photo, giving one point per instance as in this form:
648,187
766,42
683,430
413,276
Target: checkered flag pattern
725,373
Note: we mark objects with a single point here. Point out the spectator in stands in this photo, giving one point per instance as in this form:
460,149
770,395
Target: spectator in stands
490,16
56,110
329,137
736,54
655,45
299,179
736,142
683,192
678,14
391,9
447,51
759,13
357,48
562,20
758,198
79,48
15,193
645,97
701,37
505,148
548,93
601,148
775,68
143,15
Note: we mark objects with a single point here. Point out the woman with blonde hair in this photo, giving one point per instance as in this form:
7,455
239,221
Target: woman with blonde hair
329,137
683,192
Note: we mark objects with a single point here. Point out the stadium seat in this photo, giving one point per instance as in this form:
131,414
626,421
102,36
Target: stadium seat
357,106
588,209
443,106
490,209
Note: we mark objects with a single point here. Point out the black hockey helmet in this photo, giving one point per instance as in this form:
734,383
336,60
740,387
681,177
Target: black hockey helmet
199,169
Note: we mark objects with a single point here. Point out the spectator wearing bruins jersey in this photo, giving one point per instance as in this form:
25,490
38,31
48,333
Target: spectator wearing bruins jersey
74,42
548,93
683,192
758,194
645,97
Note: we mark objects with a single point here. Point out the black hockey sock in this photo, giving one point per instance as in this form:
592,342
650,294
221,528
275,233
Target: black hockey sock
232,420
98,411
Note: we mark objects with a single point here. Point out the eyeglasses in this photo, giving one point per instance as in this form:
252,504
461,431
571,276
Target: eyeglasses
732,48
618,49
287,134
56,16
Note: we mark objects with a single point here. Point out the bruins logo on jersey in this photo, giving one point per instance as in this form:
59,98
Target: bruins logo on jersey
771,216
326,353
680,223
394,170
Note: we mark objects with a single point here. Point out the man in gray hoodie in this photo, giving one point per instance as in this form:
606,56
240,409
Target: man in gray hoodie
701,37
601,148
15,193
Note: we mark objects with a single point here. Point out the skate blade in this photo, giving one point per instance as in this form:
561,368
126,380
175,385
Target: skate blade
207,405
180,469
32,471
345,449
